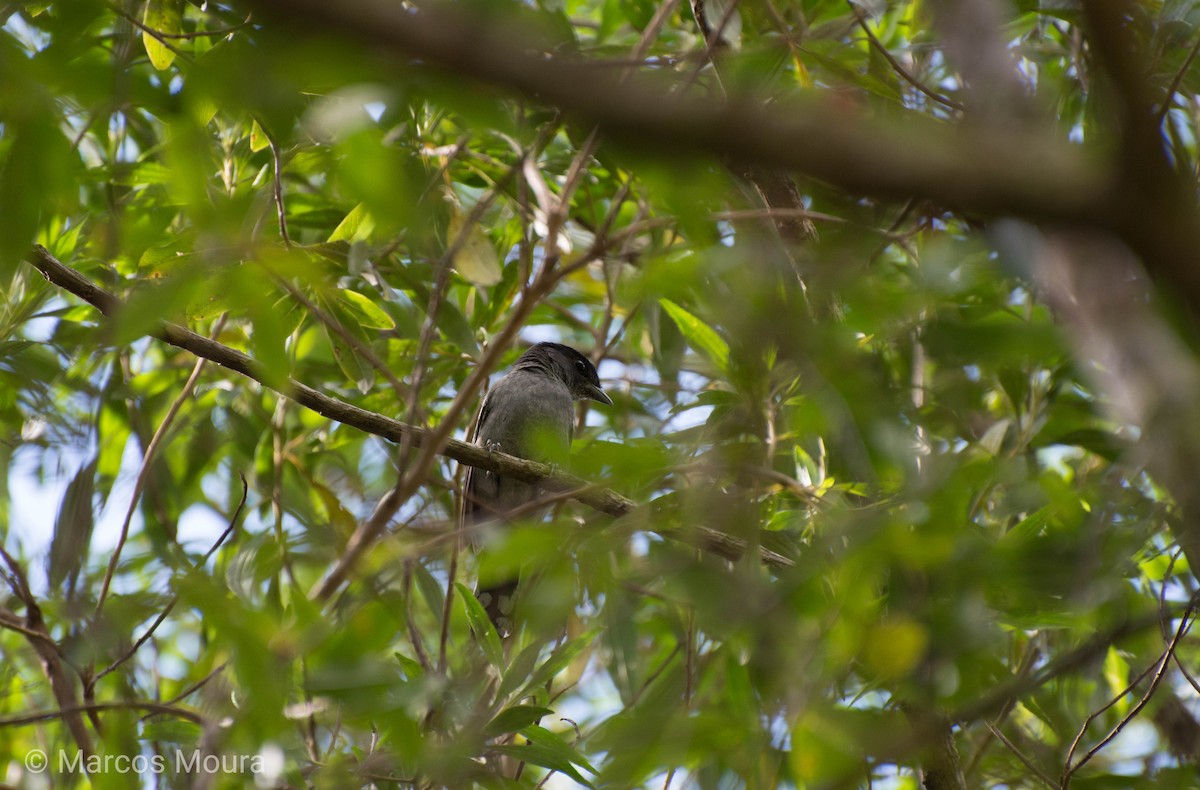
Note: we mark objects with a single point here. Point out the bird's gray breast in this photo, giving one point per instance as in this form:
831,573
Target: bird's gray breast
527,414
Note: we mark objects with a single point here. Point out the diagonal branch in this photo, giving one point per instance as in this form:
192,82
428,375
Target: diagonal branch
49,653
601,499
897,66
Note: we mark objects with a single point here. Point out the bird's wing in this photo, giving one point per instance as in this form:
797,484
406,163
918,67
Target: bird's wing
479,486
470,498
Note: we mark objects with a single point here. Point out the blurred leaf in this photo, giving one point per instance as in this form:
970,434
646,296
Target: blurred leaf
1116,674
356,369
549,751
167,730
35,168
559,660
475,258
515,718
73,528
1103,443
431,589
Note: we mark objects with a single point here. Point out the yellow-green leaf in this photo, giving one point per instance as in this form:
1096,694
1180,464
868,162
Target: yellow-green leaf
1116,674
476,258
366,311
162,16
894,647
484,631
699,335
356,225
258,138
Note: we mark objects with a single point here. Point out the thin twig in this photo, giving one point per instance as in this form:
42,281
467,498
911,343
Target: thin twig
145,637
157,35
277,183
897,66
144,472
1068,769
12,622
1033,769
1028,659
1081,656
414,636
451,578
1165,108
199,684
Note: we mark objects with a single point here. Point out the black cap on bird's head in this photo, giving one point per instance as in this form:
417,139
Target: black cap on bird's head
575,370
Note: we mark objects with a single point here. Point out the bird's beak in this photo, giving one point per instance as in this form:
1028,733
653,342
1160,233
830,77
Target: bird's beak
597,394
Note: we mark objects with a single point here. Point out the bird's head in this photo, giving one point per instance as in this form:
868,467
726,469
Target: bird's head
575,370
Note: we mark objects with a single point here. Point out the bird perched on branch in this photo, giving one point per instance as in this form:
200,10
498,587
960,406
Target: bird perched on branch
529,413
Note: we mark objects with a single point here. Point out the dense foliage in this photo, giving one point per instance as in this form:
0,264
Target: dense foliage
899,297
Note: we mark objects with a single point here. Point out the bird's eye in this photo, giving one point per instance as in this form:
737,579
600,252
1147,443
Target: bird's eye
581,366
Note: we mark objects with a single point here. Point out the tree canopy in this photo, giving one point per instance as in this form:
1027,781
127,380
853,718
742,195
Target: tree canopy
897,303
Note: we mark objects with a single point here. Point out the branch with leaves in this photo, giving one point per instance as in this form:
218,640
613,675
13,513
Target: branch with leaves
597,497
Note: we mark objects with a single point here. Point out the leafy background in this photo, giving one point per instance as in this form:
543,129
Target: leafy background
901,292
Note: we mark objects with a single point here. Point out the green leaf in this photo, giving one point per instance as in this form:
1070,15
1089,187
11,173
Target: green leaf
73,527
36,170
259,141
412,668
1116,673
519,669
699,335
348,360
554,741
481,626
515,718
162,16
169,730
356,225
559,660
113,433
367,313
549,750
474,258
431,589
1105,444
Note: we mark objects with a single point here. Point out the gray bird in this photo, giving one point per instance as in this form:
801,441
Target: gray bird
529,413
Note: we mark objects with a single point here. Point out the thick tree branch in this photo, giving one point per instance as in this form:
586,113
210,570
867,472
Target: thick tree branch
1154,209
602,499
901,155
933,730
978,168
